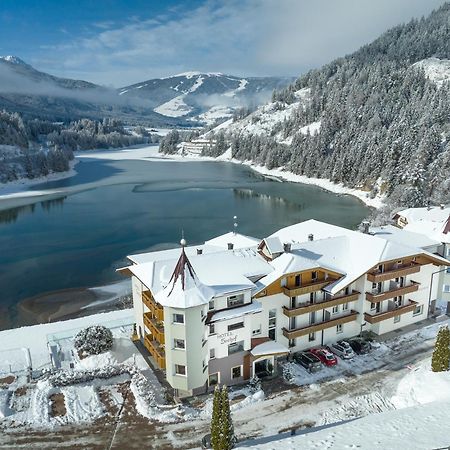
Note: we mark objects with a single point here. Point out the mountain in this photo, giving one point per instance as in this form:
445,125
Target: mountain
32,93
376,120
204,97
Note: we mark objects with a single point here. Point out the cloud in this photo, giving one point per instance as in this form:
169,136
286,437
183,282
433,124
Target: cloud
246,37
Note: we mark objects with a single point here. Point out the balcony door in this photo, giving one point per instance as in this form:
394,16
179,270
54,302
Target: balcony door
298,280
312,317
378,307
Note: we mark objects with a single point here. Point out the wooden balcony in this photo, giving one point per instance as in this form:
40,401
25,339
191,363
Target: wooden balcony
375,318
155,327
155,308
329,303
413,286
400,271
298,332
156,350
306,288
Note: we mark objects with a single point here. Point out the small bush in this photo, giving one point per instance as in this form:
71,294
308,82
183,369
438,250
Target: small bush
93,340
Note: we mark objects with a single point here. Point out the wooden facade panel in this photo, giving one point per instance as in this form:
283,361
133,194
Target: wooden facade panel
307,308
394,272
306,289
375,318
376,298
156,350
298,332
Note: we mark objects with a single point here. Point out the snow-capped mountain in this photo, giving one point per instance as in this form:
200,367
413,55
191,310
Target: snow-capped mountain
204,97
34,93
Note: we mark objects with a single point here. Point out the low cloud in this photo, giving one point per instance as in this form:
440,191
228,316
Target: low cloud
246,37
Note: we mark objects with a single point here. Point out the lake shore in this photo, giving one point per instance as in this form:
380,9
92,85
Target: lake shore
19,193
72,303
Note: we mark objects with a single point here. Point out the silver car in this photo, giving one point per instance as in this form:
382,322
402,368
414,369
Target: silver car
342,349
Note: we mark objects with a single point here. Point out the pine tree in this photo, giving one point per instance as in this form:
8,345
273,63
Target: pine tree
227,438
441,355
215,419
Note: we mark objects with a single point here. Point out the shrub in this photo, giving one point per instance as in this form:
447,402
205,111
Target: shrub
93,340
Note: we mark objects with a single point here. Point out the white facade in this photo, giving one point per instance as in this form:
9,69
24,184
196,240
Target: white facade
210,318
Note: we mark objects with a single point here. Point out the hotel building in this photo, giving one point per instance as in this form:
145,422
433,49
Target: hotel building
226,310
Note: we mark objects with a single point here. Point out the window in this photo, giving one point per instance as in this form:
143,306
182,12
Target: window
272,323
179,343
311,297
202,314
448,269
293,302
339,328
345,307
256,331
312,337
213,379
298,280
236,347
446,288
235,326
236,372
397,319
212,353
418,310
235,300
291,342
178,318
211,328
314,276
180,370
373,306
398,301
335,309
211,305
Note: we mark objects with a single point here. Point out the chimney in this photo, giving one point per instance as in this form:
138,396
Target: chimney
230,246
287,247
442,206
310,237
365,227
199,251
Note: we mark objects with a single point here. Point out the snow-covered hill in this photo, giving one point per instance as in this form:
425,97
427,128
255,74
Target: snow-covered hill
203,97
436,70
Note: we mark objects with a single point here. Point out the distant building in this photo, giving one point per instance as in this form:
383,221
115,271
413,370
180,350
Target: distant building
226,310
433,222
197,146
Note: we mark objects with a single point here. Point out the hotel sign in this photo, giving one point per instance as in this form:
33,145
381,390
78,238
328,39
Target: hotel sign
227,338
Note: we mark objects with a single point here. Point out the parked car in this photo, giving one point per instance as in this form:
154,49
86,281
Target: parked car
359,346
325,356
342,349
308,360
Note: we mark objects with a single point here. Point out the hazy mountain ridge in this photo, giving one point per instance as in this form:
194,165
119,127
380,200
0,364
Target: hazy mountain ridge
377,119
204,97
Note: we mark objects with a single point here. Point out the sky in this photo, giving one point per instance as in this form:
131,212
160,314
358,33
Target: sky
120,42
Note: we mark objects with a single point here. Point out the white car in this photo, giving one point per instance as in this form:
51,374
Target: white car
342,349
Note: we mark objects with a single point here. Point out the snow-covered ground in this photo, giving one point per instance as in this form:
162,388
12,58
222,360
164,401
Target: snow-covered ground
437,70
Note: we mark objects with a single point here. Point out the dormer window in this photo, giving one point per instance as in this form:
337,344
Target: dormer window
235,300
211,305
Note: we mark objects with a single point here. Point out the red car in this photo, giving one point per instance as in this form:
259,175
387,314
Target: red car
325,356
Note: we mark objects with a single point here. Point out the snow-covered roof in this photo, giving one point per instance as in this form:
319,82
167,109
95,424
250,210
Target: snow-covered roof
249,308
274,245
432,214
238,240
225,272
433,222
402,236
184,289
269,348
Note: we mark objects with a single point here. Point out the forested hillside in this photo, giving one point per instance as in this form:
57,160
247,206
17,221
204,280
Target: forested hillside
374,119
33,148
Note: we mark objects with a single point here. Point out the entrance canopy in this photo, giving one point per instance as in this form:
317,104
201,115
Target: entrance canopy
269,348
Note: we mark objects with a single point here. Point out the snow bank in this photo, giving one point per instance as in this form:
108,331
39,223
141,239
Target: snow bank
422,386
436,70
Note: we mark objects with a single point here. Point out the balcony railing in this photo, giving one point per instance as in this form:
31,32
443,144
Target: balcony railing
374,297
306,288
155,308
399,271
155,327
156,350
375,318
298,332
328,303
